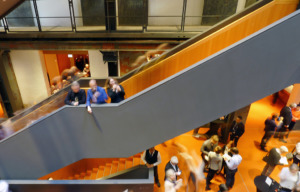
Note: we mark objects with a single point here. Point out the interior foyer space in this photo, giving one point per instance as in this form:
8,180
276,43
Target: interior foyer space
252,163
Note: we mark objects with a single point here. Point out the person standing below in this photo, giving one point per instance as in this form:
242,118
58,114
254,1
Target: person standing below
270,128
114,90
237,130
286,113
232,165
289,176
171,185
95,94
151,157
173,164
214,164
208,146
272,159
76,96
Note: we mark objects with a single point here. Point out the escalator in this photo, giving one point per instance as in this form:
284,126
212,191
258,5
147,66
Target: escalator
185,92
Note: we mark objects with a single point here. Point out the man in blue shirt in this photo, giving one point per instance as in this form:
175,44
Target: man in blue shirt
95,94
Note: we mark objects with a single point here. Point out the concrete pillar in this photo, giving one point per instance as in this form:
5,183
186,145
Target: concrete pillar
10,84
31,75
240,6
295,95
98,68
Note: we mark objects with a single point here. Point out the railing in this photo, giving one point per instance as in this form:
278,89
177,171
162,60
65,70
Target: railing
71,16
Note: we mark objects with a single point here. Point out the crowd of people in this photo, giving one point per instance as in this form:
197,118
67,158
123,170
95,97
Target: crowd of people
96,94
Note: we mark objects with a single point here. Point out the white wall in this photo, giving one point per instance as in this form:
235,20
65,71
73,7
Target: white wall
97,66
58,8
29,68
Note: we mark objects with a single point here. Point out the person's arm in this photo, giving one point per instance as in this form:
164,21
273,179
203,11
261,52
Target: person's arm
104,95
242,129
178,184
144,157
88,99
68,99
83,97
122,92
203,147
158,160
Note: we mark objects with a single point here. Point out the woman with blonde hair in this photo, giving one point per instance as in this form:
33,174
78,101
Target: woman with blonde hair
114,90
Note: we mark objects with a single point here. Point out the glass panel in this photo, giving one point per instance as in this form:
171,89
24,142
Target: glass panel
132,12
89,15
164,14
22,18
54,15
250,2
215,10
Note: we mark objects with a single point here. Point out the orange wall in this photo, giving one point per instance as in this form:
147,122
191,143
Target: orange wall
217,41
51,65
1,111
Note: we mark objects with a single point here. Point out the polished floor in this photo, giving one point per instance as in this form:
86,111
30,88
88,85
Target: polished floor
252,163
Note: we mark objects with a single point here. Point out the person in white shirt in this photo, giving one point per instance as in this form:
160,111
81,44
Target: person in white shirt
232,165
288,178
171,185
214,164
152,158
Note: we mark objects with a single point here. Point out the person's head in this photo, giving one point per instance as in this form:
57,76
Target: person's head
239,119
293,105
283,149
110,82
170,174
214,139
218,150
174,160
65,74
152,149
230,144
75,86
294,168
275,115
234,150
223,188
93,84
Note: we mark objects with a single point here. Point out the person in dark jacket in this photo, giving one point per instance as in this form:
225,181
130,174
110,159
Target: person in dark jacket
237,130
114,90
286,114
270,128
76,96
272,159
173,164
151,157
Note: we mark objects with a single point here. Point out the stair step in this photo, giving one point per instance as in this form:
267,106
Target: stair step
82,175
100,172
107,169
94,173
136,161
128,163
76,177
114,167
121,166
88,175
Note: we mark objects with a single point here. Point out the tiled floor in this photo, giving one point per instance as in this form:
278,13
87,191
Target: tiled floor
252,163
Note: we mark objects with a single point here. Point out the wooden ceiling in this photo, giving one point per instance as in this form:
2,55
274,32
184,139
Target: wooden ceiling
6,6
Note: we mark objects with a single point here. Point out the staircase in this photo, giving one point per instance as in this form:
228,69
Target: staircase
101,170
